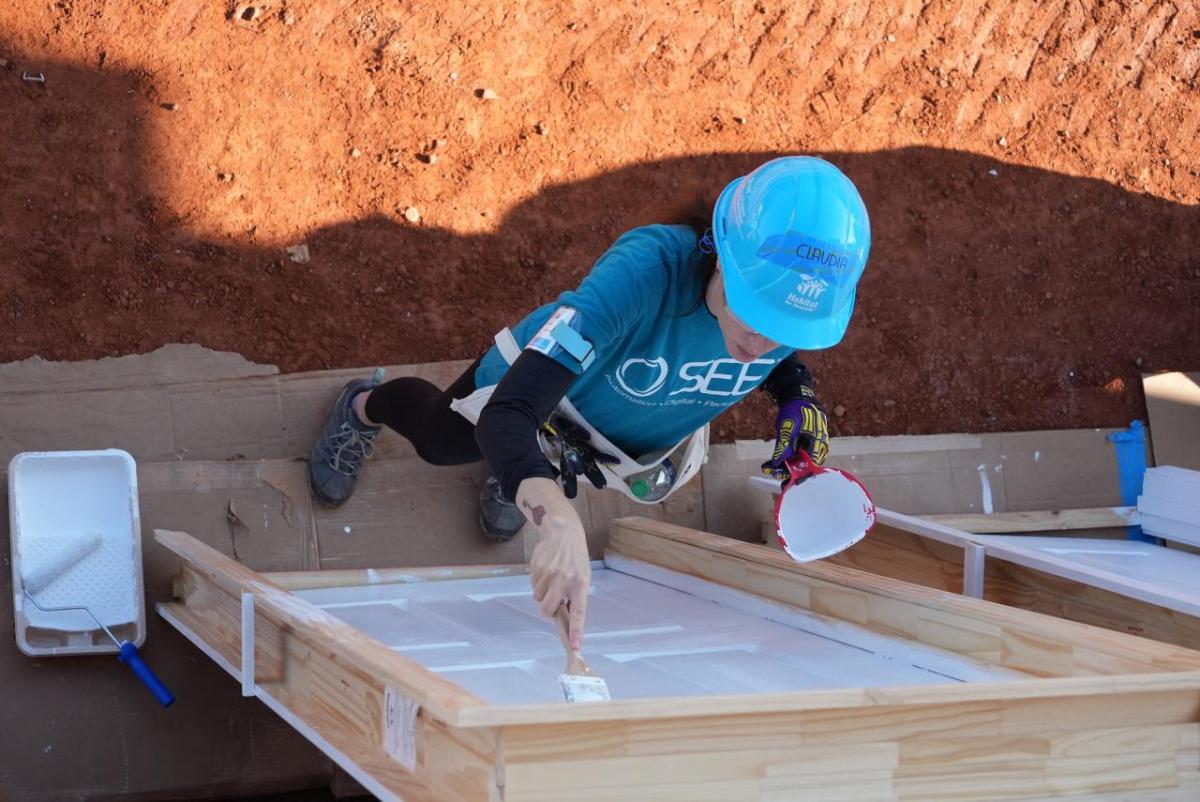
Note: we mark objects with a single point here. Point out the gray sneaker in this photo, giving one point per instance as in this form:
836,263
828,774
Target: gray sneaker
344,445
499,518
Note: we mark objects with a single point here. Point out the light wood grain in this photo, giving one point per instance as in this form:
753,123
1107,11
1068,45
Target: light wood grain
321,631
1111,717
1016,639
906,556
1038,521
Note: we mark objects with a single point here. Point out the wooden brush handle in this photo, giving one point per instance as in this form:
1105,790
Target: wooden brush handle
575,662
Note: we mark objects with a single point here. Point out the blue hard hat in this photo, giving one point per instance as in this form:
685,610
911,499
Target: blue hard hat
793,238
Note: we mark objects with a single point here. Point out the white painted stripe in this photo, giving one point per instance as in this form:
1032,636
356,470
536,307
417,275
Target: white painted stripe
524,665
424,647
629,657
620,633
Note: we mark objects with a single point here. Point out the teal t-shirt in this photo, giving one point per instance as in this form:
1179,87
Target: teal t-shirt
661,370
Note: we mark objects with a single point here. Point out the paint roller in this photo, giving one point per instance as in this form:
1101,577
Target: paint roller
43,573
68,556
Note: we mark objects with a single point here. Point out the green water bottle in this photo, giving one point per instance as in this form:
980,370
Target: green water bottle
654,484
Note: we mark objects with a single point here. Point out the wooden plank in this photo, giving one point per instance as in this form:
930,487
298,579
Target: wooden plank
340,642
1173,410
909,557
1031,589
1121,717
341,704
1002,720
878,602
1146,572
902,555
840,700
699,766
1037,779
1042,521
960,752
294,700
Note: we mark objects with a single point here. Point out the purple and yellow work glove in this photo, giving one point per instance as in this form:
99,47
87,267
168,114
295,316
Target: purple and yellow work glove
801,425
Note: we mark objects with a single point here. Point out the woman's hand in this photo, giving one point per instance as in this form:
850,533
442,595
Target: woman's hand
560,570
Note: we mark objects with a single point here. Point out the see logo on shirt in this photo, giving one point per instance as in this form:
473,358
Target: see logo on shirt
717,377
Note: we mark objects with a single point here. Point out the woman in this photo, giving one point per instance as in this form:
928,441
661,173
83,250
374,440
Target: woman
618,379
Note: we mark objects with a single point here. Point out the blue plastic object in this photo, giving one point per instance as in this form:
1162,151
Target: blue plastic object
1131,468
573,343
793,238
130,657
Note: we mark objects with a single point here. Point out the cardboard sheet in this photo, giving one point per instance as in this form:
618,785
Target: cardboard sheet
171,364
1173,407
157,409
921,475
217,441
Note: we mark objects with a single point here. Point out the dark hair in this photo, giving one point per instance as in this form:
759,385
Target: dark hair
698,218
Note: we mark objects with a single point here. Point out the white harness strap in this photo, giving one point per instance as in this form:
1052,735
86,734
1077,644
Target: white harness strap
689,455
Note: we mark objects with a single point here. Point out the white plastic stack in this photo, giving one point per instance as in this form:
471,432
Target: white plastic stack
1170,504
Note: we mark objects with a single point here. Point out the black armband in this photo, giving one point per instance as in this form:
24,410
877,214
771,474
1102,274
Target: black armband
789,380
508,425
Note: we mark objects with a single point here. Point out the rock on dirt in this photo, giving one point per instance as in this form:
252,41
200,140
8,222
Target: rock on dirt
412,214
298,253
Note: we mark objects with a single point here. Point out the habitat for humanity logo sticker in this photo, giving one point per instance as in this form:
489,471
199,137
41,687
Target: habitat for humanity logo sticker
643,377
808,292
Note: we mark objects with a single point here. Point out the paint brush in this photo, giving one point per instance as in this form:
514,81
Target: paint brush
579,684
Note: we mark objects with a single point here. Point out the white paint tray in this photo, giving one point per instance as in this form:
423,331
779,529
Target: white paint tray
55,497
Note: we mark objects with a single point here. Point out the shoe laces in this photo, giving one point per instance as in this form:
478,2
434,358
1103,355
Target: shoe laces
351,446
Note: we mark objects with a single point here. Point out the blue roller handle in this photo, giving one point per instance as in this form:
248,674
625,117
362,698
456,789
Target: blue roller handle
130,657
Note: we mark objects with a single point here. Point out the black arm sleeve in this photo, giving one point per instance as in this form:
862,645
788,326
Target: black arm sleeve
789,380
507,427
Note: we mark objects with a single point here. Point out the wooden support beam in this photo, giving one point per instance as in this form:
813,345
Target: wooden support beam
334,682
1117,718
337,640
1040,645
908,556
